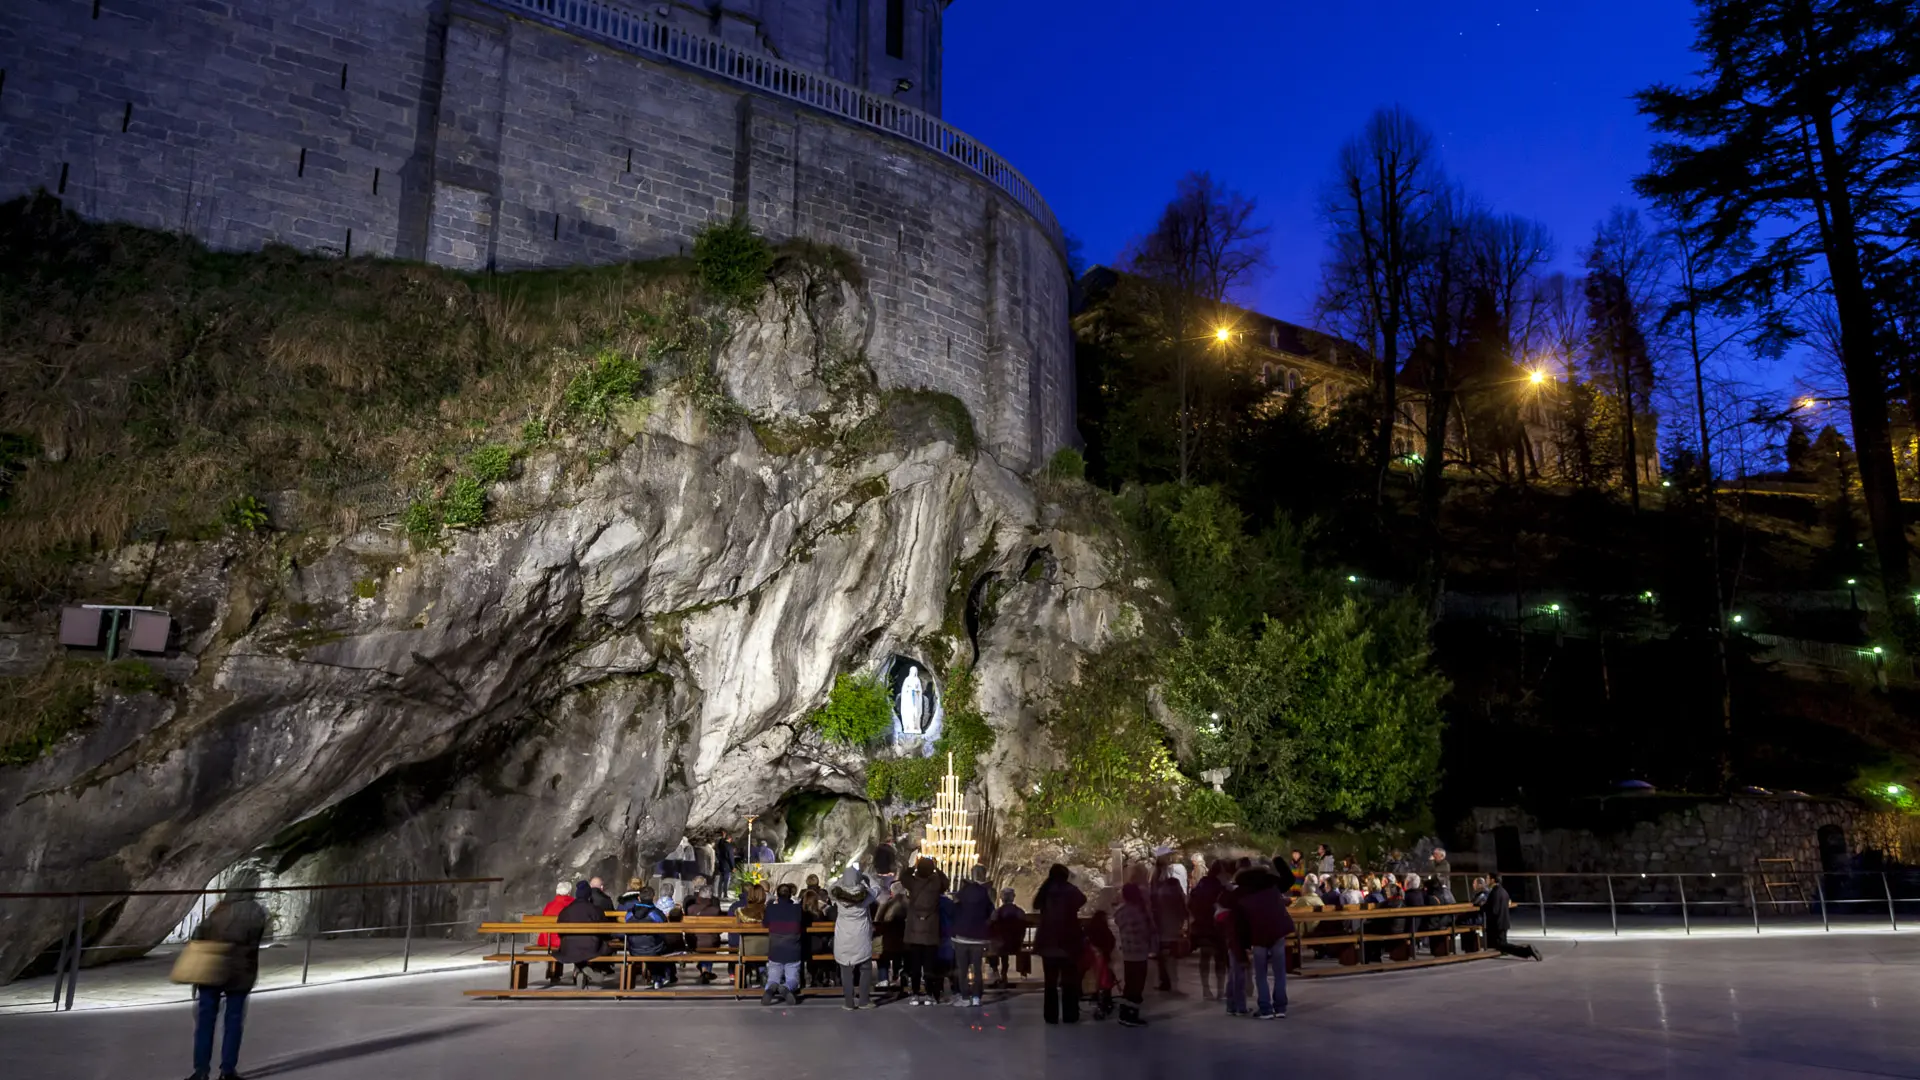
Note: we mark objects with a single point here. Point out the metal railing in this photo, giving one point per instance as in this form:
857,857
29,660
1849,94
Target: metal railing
413,925
1853,900
635,32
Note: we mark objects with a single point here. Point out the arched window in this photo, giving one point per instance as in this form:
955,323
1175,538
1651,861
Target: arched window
1293,380
1273,336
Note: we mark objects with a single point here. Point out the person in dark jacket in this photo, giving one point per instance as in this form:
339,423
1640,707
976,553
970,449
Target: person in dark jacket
1202,903
786,947
891,921
1134,928
580,949
638,907
600,895
703,906
1260,895
1169,912
1007,936
1059,942
238,922
925,886
723,865
1096,963
1496,911
972,930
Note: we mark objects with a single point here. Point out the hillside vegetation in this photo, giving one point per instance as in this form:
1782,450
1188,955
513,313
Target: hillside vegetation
150,386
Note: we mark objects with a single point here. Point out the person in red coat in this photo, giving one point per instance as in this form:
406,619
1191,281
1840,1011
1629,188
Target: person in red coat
562,896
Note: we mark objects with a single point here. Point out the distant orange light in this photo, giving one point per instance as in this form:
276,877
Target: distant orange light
1807,403
1537,376
1223,334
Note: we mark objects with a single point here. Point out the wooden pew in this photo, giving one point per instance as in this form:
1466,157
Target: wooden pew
628,967
1403,944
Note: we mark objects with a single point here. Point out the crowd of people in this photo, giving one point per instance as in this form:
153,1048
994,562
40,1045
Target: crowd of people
919,938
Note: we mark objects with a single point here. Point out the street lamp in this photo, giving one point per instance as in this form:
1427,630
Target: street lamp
1853,593
1537,376
1223,334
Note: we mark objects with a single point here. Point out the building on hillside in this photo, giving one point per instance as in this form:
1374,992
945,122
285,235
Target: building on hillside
1527,422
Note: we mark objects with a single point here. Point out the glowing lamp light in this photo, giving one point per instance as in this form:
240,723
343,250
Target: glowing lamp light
1555,608
1536,376
1807,403
1223,335
1215,716
1666,483
1895,790
1739,618
1853,581
1354,579
1877,650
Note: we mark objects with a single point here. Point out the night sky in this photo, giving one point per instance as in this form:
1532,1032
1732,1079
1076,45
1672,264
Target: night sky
1104,104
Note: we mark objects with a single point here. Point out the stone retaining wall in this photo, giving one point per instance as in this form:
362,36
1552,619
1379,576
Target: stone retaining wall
453,131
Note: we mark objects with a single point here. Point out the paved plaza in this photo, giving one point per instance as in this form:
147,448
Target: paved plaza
1840,1005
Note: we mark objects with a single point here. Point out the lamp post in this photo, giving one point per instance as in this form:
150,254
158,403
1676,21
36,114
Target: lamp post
1853,593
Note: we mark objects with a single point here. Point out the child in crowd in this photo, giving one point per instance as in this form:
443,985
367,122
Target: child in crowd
1006,936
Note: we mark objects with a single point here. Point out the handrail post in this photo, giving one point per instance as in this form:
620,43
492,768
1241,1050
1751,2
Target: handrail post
79,944
1540,897
1753,902
1613,913
406,947
1820,890
1884,887
1681,884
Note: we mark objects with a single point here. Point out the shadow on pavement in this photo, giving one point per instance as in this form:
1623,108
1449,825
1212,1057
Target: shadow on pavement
347,1051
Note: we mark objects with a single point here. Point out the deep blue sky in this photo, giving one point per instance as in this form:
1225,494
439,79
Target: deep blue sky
1104,104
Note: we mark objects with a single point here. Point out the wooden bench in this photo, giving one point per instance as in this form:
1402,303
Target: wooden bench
627,965
1401,947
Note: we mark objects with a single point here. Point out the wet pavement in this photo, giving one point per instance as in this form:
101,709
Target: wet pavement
1712,1006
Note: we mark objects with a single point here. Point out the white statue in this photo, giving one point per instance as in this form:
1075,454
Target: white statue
912,702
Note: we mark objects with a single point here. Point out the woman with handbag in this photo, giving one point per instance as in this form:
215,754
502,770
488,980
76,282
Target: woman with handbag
222,960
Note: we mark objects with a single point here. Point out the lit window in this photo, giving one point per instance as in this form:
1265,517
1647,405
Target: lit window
1273,337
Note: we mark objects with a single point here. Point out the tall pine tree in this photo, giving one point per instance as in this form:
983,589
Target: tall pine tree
1805,119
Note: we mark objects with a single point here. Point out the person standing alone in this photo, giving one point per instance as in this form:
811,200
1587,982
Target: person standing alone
238,922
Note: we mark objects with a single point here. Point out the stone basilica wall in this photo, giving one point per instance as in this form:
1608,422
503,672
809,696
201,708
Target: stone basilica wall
454,131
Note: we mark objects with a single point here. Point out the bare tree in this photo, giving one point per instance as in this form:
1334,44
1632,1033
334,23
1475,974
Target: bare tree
1204,248
1623,282
1377,210
1508,252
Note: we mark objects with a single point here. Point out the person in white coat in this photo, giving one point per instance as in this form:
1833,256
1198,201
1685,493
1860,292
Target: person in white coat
853,905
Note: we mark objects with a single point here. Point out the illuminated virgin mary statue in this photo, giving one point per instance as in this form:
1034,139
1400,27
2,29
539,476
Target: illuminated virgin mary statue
912,703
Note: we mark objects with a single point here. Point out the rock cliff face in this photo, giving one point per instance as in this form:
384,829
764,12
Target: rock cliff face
624,654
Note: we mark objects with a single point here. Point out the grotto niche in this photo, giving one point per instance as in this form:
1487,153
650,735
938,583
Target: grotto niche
917,713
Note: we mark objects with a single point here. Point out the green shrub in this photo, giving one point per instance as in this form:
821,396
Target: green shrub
533,432
858,712
491,463
421,520
731,262
607,381
465,505
37,712
1067,464
366,588
246,514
